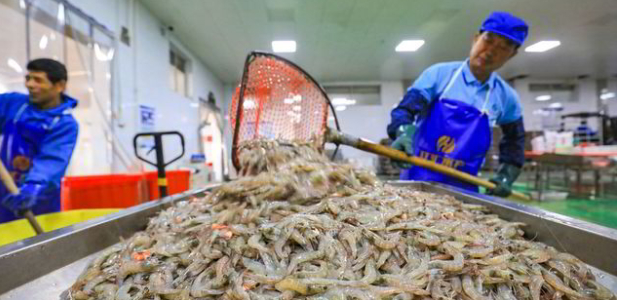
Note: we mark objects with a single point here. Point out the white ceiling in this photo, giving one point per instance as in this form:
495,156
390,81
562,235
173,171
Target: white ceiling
354,40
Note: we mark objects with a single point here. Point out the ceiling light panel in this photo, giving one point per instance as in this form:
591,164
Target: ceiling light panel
409,45
284,46
543,46
543,98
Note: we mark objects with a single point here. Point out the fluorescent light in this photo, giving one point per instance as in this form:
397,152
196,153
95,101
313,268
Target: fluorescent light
542,46
101,55
556,105
606,96
409,45
14,65
543,98
341,108
292,99
284,46
343,101
61,13
43,42
248,104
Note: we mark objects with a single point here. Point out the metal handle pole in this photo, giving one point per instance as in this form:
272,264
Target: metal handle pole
361,144
160,166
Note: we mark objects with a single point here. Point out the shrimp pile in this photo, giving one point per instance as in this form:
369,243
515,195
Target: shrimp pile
258,156
294,172
313,229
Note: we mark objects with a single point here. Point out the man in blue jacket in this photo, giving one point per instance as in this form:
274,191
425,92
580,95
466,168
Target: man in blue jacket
38,137
448,113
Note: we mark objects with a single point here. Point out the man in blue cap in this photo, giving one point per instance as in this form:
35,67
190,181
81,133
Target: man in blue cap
38,137
447,114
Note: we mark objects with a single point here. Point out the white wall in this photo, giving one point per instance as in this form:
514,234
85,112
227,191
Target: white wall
369,121
227,132
611,104
141,77
583,99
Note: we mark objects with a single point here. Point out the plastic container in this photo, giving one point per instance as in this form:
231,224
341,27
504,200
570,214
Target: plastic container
20,229
549,196
538,144
551,138
103,191
178,181
565,142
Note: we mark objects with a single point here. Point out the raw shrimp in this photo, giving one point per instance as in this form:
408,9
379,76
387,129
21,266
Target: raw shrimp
296,225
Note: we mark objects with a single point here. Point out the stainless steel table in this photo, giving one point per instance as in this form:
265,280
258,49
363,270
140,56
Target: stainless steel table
44,266
599,165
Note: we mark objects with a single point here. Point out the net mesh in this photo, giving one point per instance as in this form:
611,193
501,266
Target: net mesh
280,101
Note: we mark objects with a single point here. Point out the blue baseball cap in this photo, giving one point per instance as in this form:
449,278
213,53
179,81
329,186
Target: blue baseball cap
507,25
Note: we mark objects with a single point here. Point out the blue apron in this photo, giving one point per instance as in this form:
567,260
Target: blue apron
20,144
454,134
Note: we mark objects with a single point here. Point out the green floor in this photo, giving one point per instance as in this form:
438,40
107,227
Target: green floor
598,211
602,212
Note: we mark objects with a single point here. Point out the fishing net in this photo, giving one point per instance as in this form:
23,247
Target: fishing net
277,100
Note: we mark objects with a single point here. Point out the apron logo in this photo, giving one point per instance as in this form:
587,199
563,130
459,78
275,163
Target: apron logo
21,163
445,144
442,160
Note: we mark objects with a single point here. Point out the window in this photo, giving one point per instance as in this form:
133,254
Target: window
178,74
56,29
13,55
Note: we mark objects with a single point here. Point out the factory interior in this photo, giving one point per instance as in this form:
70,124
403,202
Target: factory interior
167,129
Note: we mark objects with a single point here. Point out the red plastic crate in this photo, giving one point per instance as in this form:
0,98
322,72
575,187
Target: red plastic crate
103,191
178,181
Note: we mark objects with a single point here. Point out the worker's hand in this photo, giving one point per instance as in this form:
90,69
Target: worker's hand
27,198
505,177
404,142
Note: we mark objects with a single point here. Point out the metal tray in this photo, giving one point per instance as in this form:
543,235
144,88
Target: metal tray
44,266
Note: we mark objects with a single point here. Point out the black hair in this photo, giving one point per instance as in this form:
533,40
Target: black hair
55,70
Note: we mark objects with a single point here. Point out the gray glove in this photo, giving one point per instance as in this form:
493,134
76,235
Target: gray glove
404,142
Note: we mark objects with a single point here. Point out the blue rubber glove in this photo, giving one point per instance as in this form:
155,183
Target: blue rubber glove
27,198
404,142
505,177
